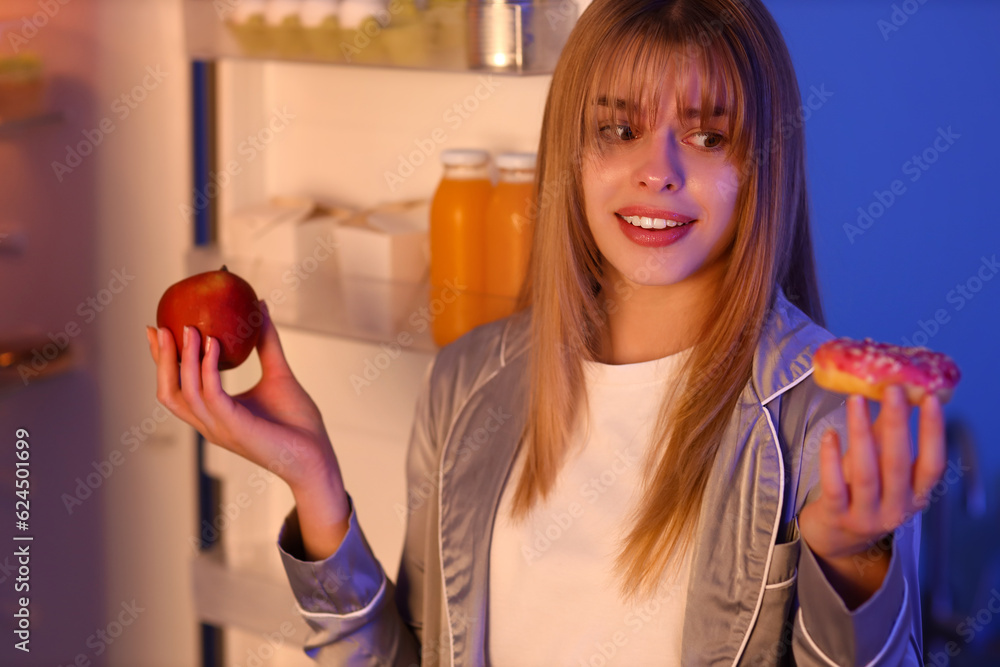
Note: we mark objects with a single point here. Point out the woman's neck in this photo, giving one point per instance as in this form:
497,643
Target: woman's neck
651,322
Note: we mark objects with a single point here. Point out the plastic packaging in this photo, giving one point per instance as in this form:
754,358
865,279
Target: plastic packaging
284,21
405,37
382,255
458,244
509,231
322,29
249,25
22,87
361,26
446,33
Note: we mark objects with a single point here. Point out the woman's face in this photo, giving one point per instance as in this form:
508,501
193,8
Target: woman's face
659,200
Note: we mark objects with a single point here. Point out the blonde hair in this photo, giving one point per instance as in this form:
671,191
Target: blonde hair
736,46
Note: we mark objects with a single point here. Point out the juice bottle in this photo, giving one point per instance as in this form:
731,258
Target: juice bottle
458,244
509,230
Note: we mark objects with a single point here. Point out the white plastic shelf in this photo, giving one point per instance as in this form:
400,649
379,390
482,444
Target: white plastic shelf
245,598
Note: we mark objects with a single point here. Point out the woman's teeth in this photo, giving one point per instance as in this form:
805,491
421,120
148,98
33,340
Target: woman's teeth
651,223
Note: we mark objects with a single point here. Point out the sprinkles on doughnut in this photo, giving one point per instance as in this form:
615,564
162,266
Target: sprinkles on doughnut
865,367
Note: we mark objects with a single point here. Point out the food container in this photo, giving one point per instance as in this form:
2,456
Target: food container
285,23
387,243
518,36
405,38
361,26
22,88
445,23
322,29
383,258
249,25
281,231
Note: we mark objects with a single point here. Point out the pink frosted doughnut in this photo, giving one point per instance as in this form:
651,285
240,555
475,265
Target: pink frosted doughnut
865,367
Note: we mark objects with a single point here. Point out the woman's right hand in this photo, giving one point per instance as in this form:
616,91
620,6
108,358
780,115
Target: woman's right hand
275,424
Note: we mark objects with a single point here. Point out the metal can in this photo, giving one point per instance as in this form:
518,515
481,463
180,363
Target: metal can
518,35
502,36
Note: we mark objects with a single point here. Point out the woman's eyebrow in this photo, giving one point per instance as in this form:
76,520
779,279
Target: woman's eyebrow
690,113
602,101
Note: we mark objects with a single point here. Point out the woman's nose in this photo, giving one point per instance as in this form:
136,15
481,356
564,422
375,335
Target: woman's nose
659,167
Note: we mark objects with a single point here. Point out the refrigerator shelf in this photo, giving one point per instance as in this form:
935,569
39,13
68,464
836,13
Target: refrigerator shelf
17,124
247,598
313,296
520,40
28,359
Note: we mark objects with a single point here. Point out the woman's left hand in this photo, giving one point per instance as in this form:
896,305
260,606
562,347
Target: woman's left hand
873,488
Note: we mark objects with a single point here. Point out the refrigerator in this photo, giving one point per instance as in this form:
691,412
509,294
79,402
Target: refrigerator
151,547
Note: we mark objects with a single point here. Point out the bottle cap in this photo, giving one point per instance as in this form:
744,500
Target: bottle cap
464,157
516,161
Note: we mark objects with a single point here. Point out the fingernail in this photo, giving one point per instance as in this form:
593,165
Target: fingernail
208,344
187,335
161,337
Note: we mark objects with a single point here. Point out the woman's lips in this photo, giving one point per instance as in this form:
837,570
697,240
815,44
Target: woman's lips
653,227
661,215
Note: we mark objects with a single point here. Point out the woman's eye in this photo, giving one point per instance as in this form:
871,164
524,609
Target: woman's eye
622,131
709,140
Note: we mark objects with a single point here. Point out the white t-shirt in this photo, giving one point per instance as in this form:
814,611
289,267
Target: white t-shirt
553,594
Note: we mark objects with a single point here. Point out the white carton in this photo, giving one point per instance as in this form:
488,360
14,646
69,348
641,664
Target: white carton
280,231
383,258
387,243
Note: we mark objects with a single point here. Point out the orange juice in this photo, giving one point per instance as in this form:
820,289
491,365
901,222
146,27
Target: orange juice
458,244
509,230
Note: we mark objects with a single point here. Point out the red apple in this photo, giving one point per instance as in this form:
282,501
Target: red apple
219,304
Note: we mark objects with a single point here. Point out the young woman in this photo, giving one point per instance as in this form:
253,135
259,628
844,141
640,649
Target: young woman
637,467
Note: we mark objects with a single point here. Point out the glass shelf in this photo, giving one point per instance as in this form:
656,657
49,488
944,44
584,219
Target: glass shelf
17,124
433,38
322,301
26,360
313,296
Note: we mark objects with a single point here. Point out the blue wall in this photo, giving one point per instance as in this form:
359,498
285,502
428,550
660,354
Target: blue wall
896,88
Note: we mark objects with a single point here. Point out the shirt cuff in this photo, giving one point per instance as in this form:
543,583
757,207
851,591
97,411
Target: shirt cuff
344,583
847,637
